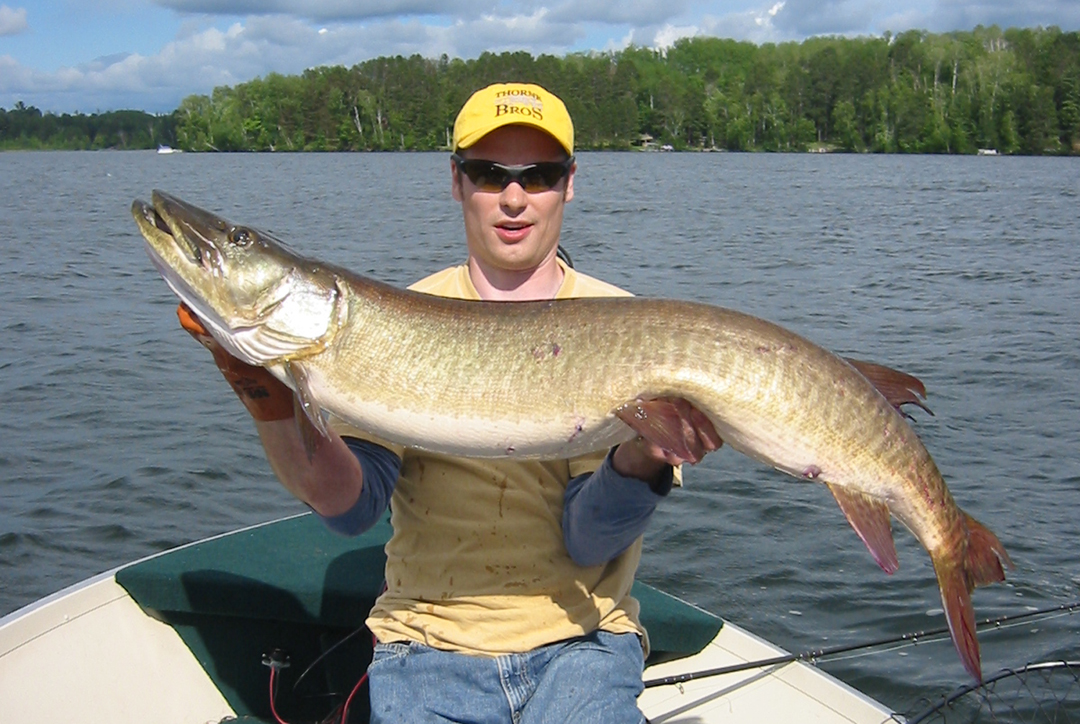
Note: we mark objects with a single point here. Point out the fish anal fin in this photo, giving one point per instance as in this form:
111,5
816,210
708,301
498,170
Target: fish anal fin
986,557
899,388
659,422
955,586
870,519
309,417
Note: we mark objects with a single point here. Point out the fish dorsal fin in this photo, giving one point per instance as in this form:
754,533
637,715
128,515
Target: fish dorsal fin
899,388
870,519
659,422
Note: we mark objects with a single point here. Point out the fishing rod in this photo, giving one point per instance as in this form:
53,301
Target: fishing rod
813,655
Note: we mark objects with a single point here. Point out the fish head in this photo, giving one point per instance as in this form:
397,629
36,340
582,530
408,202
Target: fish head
263,303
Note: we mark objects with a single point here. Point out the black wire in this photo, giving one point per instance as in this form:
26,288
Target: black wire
564,255
912,638
326,653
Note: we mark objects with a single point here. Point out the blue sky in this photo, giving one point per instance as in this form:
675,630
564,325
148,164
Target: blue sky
96,55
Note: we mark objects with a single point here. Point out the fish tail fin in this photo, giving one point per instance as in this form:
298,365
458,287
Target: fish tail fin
980,563
956,600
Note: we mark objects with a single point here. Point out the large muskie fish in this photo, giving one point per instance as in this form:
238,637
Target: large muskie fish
554,379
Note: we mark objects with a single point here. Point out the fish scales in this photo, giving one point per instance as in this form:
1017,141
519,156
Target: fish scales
526,352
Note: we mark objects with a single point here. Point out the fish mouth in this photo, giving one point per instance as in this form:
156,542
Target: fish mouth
193,231
204,261
180,241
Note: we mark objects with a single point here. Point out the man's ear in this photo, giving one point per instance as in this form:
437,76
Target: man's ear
455,182
568,192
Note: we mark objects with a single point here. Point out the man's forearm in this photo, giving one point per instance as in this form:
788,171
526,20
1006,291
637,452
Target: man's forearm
604,512
329,482
381,468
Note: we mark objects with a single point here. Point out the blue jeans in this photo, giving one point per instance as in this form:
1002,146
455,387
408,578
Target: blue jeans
595,679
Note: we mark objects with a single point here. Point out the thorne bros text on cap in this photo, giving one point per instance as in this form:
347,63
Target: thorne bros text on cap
504,104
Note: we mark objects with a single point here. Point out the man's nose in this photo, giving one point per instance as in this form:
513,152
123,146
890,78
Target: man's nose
513,197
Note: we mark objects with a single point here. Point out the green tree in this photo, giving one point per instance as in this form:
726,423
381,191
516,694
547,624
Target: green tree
844,129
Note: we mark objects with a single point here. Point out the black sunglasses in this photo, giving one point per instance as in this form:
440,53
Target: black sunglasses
493,177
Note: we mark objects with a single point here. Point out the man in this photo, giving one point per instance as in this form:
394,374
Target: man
508,581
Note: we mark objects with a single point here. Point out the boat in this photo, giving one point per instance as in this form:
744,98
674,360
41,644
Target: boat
163,149
198,633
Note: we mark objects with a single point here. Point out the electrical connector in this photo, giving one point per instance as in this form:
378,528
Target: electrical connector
276,659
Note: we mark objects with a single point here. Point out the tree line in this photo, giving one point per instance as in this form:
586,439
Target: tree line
1016,91
26,127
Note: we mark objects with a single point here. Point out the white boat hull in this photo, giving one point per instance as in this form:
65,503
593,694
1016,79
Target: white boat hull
91,654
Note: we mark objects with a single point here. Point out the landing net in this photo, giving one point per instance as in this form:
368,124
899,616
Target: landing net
1046,692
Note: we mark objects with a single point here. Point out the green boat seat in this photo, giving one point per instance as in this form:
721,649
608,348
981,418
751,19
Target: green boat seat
295,587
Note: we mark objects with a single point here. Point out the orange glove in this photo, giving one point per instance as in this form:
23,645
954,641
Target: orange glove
265,396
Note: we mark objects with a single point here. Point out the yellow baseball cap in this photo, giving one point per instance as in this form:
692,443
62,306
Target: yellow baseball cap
504,104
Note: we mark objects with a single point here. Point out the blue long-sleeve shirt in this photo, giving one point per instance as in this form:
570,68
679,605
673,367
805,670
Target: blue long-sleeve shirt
603,511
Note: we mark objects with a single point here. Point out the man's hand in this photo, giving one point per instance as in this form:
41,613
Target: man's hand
265,397
672,432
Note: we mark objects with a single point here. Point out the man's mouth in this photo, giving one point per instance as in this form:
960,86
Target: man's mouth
512,232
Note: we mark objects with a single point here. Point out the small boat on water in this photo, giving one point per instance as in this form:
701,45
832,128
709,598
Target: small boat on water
162,148
192,635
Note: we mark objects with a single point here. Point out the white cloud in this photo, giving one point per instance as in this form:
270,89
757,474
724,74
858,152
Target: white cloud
802,18
952,14
12,21
625,12
12,74
623,43
195,64
758,24
497,33
906,19
199,59
330,10
666,36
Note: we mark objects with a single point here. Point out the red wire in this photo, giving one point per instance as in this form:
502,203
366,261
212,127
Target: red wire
345,709
273,710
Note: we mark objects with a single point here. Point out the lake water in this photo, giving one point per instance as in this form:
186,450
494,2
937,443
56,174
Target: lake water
118,438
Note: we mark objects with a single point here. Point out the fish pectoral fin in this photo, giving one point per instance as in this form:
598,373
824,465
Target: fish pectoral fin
899,388
871,520
309,417
660,422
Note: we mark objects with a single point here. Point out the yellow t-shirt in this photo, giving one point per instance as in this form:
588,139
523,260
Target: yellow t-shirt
476,562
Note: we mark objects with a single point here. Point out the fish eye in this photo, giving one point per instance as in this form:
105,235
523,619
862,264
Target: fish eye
241,236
